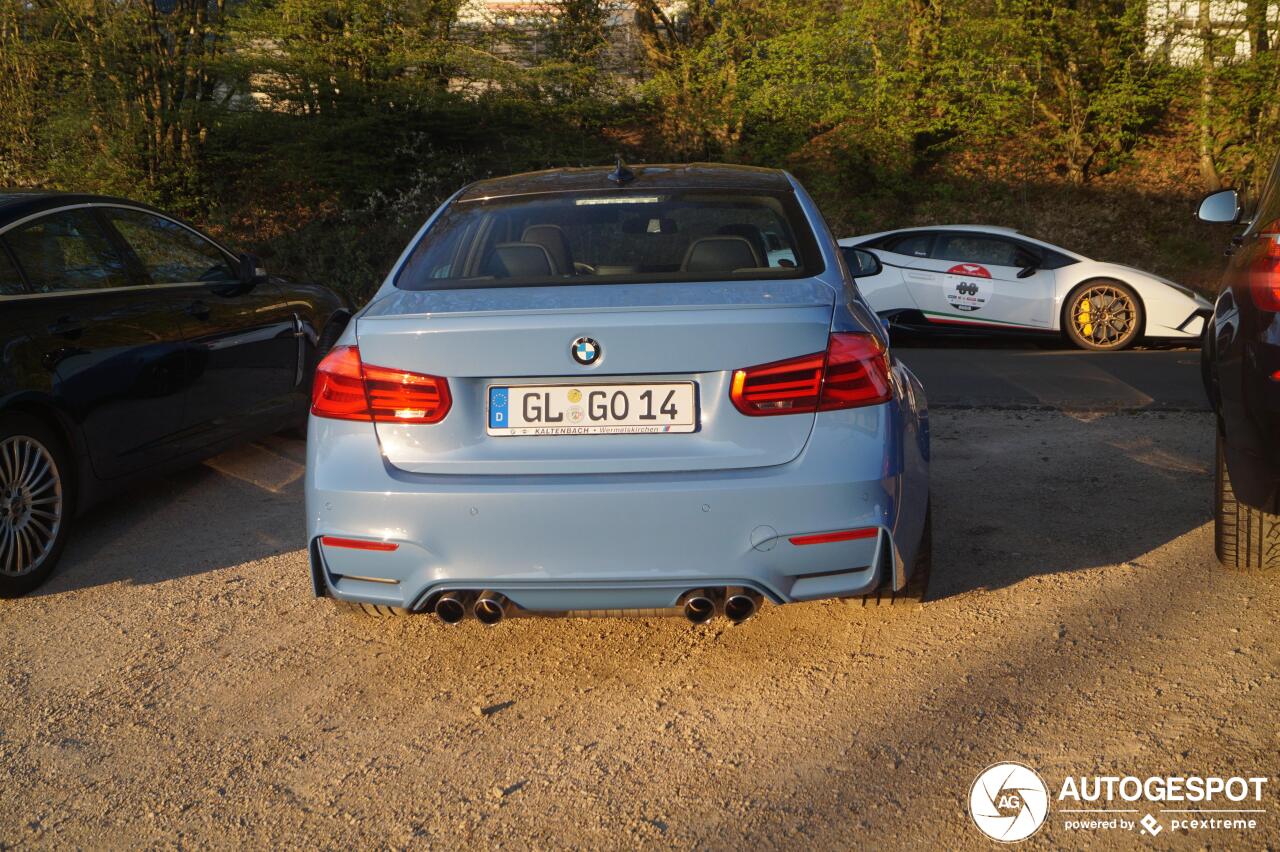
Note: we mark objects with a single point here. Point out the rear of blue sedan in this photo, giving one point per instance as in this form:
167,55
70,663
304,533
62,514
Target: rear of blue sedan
627,391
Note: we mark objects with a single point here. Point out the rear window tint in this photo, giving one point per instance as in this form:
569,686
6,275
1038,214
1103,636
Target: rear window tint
970,248
67,251
913,245
624,236
10,280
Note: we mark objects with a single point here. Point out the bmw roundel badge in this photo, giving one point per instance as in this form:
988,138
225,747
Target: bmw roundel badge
585,351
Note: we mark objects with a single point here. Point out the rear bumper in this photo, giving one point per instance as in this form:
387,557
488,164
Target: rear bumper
625,541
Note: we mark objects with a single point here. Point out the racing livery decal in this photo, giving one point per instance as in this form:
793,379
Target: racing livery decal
973,270
968,286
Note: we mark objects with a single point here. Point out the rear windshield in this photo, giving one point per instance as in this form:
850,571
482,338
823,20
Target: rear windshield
623,236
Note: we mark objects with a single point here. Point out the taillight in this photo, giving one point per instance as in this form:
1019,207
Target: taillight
338,388
838,535
358,543
1264,269
852,372
347,389
857,372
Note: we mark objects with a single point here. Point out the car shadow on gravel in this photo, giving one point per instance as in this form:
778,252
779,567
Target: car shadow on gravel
1021,494
242,505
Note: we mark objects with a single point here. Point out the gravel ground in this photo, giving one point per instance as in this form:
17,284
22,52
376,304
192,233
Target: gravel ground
176,684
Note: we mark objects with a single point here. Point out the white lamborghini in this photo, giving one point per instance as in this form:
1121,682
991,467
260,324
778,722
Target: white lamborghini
991,279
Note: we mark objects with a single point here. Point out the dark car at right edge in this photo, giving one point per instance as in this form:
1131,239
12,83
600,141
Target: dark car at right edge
1241,365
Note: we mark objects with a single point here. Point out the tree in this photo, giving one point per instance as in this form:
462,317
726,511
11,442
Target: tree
1094,85
130,87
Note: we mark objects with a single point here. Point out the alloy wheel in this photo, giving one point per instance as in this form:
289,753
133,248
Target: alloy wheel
31,505
1104,316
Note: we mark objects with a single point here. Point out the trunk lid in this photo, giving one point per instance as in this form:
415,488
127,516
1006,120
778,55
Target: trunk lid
651,333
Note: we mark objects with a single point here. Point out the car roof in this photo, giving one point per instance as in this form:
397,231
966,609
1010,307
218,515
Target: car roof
985,229
654,176
990,229
19,203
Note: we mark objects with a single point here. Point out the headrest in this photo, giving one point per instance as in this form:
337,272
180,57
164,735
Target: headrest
520,260
720,254
551,238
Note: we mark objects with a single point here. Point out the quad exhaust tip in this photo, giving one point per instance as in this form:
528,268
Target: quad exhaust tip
491,607
740,604
452,607
699,606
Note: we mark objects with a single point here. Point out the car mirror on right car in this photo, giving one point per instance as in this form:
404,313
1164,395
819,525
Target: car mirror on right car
1222,207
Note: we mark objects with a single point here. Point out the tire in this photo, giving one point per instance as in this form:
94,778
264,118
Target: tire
916,591
371,610
1091,336
1245,539
36,503
327,338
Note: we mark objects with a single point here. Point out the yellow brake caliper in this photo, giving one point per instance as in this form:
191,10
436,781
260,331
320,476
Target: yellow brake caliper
1084,318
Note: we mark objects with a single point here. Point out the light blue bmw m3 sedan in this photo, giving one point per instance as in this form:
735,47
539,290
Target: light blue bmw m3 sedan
627,390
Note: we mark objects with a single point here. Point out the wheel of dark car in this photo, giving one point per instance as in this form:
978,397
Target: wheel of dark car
1246,539
1103,315
35,503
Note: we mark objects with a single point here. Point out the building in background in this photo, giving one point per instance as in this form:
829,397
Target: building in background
1176,29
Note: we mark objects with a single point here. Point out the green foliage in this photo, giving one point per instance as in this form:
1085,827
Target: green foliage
1245,117
1095,88
116,94
322,132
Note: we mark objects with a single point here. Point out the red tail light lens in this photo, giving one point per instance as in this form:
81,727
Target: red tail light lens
854,371
358,543
1264,269
857,372
838,535
338,388
347,389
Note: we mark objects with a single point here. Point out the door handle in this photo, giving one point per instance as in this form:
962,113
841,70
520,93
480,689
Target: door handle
198,309
66,326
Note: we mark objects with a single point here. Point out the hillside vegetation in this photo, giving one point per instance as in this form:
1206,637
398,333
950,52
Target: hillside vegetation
320,133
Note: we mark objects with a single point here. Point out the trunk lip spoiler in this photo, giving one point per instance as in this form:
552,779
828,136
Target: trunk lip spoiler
504,312
564,299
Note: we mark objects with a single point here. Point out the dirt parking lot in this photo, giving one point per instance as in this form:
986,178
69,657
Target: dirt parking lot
177,685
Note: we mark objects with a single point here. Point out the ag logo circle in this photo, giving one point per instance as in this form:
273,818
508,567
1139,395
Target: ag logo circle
585,351
1008,802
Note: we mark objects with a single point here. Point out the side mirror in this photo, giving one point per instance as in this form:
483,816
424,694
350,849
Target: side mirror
862,263
1220,208
250,270
1030,264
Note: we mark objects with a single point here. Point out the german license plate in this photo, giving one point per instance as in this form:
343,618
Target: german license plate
624,409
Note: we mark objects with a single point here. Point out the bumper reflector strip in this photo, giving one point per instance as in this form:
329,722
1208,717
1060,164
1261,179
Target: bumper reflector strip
357,543
838,535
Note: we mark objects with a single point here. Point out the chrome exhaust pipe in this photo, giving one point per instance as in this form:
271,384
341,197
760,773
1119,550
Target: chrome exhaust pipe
698,605
490,607
452,607
740,604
